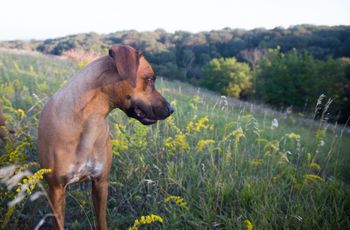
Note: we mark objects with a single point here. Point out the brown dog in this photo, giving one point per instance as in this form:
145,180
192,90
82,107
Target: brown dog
73,128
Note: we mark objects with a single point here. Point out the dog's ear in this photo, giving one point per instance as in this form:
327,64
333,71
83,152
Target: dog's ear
127,61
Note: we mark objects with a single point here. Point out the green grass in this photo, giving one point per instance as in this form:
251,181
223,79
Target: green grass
279,178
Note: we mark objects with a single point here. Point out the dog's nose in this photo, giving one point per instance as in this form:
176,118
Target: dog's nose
170,108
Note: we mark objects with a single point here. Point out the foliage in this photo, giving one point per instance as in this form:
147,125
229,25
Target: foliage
189,52
216,163
17,182
297,79
227,76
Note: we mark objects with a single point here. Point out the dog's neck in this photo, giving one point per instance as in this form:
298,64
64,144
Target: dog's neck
94,89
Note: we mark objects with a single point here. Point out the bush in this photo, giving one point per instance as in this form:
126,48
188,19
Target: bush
227,76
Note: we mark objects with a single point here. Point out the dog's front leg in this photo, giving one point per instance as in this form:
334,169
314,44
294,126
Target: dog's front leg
99,197
58,200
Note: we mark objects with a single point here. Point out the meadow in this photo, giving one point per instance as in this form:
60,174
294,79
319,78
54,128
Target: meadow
216,163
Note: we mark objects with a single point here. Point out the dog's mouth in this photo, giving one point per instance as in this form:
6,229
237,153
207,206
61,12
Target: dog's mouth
139,114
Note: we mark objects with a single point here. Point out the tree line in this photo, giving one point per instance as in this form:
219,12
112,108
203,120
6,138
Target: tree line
281,67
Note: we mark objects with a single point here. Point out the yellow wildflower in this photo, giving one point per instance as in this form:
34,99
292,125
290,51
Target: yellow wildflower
189,127
293,136
311,178
149,219
201,124
32,181
21,113
179,142
248,224
272,146
204,143
25,166
237,134
178,200
314,166
198,126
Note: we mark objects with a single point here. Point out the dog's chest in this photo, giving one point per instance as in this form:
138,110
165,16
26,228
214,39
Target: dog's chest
85,170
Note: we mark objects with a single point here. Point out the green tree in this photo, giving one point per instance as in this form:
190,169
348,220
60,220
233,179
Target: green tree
227,76
297,79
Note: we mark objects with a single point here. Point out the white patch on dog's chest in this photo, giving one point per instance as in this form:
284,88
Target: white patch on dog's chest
87,170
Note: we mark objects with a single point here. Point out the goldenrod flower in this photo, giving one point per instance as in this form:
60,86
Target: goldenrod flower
146,220
248,224
293,136
179,142
21,113
32,181
25,166
204,143
198,126
237,134
272,146
314,166
178,200
201,124
189,127
311,178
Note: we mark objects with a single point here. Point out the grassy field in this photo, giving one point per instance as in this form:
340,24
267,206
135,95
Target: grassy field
216,163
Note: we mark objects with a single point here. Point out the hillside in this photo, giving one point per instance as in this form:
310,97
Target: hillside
217,162
308,61
181,47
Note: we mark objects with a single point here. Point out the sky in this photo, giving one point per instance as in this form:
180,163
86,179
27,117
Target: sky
42,19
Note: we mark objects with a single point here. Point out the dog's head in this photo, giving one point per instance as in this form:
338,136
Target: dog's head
140,100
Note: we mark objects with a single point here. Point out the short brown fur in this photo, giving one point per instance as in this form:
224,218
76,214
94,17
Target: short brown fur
73,135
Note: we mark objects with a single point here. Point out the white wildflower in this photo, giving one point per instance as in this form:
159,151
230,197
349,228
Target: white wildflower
274,123
322,143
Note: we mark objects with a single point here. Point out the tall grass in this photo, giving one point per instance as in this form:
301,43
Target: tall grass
215,163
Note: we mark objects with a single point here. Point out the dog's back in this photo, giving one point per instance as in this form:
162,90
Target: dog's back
67,122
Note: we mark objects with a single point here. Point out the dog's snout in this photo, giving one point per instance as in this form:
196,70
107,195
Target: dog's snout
170,108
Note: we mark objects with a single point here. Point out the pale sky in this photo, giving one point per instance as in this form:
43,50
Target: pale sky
40,19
